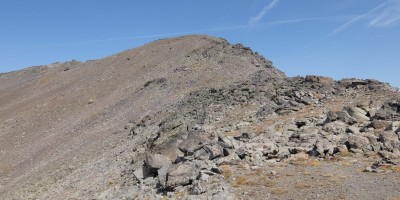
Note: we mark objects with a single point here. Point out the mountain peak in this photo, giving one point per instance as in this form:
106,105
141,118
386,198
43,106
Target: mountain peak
175,115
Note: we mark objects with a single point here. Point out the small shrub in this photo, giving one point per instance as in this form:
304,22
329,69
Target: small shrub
345,153
241,180
302,185
226,171
278,191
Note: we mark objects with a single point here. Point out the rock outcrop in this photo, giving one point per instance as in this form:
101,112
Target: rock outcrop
265,119
172,118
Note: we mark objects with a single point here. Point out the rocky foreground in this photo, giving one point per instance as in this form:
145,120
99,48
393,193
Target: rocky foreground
195,118
191,149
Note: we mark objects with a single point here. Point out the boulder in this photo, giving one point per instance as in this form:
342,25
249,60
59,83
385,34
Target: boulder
181,174
196,140
390,141
353,130
394,126
225,140
380,124
308,134
156,161
357,113
359,142
336,127
214,151
141,172
162,175
388,111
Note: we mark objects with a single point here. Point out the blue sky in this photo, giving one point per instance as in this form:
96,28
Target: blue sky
340,38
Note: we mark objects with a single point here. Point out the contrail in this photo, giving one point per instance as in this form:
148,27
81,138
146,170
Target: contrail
356,19
263,12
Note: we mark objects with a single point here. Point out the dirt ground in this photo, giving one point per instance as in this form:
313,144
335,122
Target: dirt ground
310,178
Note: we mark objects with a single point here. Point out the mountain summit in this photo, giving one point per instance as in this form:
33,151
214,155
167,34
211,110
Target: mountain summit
182,117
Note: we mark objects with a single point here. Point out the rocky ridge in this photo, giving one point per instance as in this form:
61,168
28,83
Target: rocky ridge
187,118
263,120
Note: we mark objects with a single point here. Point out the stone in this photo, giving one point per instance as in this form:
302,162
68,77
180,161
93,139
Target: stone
389,110
156,161
201,154
336,127
181,174
353,129
357,113
307,101
324,147
214,151
196,140
380,124
359,142
376,170
394,126
230,159
390,141
308,133
269,148
242,125
345,117
162,175
388,136
225,140
141,172
244,137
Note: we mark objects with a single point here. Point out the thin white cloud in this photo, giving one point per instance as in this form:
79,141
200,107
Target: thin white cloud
389,15
254,20
201,31
384,14
310,19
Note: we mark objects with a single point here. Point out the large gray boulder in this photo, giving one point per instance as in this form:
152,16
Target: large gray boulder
181,174
357,142
156,161
358,114
336,127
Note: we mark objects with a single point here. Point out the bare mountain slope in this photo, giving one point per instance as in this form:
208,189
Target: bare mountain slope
194,117
58,123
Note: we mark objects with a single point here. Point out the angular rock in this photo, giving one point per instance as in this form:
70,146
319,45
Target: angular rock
214,151
162,175
141,172
201,154
389,111
336,127
242,124
196,140
181,174
390,141
380,124
394,126
308,134
359,142
225,140
156,161
353,129
357,113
